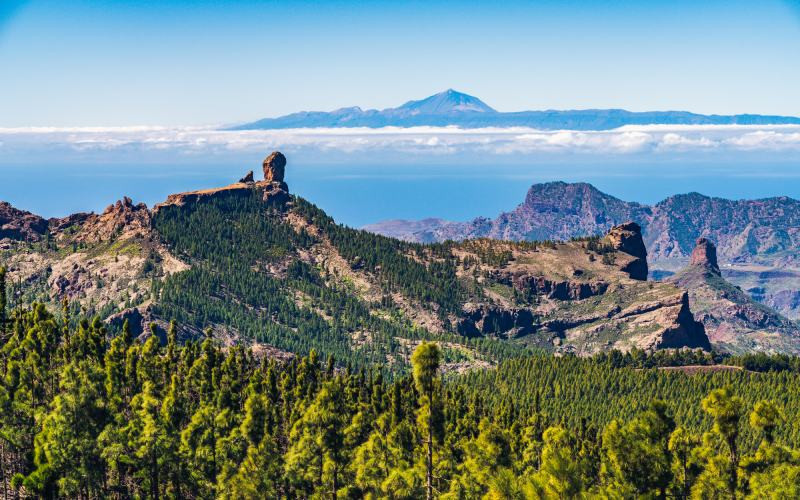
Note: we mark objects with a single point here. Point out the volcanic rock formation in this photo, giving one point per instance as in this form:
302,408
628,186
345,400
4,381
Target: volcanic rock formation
247,179
272,188
705,255
20,225
734,322
274,167
627,238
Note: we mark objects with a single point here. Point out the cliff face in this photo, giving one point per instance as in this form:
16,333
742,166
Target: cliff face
627,238
576,297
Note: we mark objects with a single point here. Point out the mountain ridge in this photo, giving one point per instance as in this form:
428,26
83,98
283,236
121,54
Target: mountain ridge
453,108
757,240
250,263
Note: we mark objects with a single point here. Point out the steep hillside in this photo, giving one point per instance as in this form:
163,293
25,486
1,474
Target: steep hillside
251,263
733,321
757,239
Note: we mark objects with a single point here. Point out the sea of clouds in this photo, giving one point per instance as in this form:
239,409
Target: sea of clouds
424,142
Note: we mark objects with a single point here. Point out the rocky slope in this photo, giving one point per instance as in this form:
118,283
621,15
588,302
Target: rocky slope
250,262
758,240
733,321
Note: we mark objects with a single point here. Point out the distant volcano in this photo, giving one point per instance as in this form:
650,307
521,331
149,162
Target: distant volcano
449,101
462,110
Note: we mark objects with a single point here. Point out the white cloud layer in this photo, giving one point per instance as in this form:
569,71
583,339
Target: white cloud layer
656,139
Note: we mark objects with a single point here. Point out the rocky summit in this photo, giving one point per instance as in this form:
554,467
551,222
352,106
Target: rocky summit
734,322
274,167
250,263
627,238
705,255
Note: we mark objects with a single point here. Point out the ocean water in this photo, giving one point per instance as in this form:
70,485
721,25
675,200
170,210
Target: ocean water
361,194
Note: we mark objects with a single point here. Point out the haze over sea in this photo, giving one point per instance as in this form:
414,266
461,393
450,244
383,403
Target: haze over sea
361,193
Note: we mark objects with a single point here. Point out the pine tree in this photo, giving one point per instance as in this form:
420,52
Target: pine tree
559,475
425,363
3,303
636,454
726,409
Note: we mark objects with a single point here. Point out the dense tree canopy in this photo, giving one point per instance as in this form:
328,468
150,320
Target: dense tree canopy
87,414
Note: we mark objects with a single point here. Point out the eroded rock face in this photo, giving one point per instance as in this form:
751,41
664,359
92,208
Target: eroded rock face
120,219
627,238
685,331
274,167
553,289
20,225
247,179
483,319
705,255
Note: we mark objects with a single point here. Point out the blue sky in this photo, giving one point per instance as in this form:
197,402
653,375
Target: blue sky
202,62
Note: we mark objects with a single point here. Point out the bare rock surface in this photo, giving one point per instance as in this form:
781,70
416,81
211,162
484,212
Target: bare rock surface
274,167
705,255
627,238
20,225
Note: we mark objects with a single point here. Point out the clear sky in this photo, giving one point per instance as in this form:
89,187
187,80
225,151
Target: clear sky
171,62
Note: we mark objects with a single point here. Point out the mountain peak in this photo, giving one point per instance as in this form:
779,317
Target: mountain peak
448,101
705,255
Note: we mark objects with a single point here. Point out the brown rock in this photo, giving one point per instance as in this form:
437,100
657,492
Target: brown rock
627,238
482,319
247,179
20,225
685,330
274,167
123,218
552,289
705,255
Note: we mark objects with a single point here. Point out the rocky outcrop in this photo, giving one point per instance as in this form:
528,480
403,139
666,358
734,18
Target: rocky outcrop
122,219
248,178
734,321
20,225
550,288
65,224
705,255
137,322
272,188
143,323
683,331
274,167
627,238
486,320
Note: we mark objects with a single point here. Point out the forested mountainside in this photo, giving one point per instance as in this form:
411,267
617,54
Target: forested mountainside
254,264
238,343
87,414
757,240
